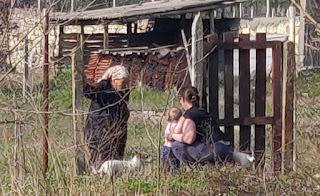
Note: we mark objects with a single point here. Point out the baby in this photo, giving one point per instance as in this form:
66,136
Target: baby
173,116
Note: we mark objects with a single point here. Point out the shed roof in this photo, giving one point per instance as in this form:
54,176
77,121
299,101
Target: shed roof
144,10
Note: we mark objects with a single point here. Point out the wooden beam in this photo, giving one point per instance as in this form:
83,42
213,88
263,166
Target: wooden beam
106,37
211,15
292,25
244,93
260,99
77,108
129,33
228,87
260,120
289,67
197,55
246,45
214,83
277,105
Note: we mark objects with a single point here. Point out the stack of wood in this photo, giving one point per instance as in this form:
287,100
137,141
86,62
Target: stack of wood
97,66
153,70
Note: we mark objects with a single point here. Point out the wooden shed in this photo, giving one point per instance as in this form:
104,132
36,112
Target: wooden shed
212,31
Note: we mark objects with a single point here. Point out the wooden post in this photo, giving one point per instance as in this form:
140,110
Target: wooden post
129,33
277,105
228,87
19,164
211,14
82,39
292,15
45,91
289,66
244,93
260,100
214,83
39,6
268,9
72,5
114,3
25,69
105,37
301,35
61,33
197,55
77,108
210,61
251,11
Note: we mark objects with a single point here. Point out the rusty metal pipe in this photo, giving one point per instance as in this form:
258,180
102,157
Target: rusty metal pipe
45,91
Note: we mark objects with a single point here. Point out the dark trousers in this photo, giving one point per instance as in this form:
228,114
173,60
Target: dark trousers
198,153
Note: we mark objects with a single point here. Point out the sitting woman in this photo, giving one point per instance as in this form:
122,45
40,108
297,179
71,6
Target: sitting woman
197,144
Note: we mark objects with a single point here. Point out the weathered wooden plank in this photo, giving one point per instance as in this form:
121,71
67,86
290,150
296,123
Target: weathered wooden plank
246,45
65,45
77,108
197,55
244,93
288,106
69,35
228,87
261,120
277,101
214,83
260,99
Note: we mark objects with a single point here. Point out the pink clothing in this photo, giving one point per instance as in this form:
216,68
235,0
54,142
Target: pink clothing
169,129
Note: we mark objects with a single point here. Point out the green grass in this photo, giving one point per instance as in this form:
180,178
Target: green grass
144,135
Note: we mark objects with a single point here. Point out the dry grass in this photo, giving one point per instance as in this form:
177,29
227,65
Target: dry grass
61,180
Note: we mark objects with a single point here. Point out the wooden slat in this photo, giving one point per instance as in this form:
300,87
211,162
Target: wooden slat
276,89
214,83
262,120
246,45
69,36
244,93
228,87
260,99
289,70
68,45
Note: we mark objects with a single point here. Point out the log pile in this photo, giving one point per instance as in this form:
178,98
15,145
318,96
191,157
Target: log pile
153,70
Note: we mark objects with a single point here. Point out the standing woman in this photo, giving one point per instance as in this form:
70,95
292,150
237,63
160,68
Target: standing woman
106,123
197,144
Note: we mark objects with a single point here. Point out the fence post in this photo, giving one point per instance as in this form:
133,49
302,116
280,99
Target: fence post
260,99
244,93
197,54
289,66
77,108
228,87
277,105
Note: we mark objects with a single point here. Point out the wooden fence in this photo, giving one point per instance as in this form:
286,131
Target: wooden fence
283,72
